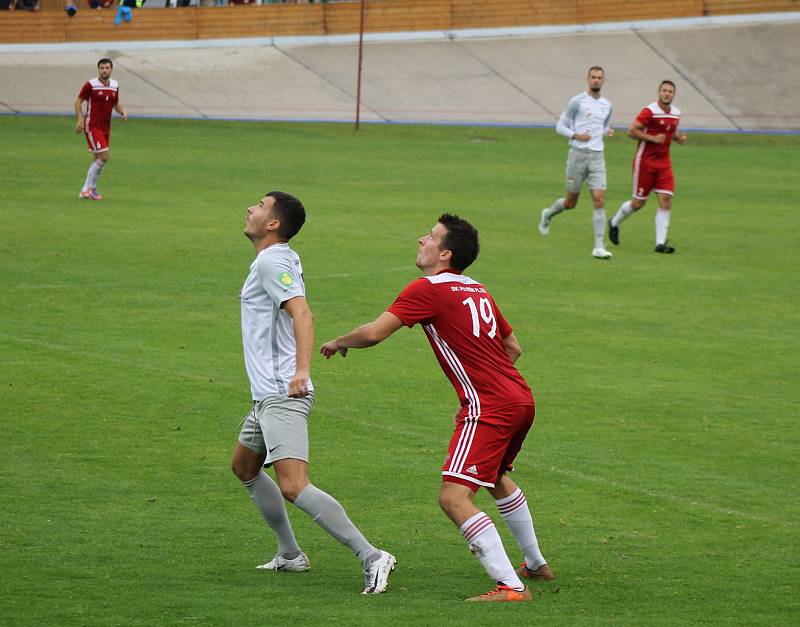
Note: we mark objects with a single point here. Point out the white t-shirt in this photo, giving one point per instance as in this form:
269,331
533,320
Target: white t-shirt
586,114
267,332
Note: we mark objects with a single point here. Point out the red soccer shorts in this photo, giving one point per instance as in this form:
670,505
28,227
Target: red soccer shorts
483,448
652,177
97,139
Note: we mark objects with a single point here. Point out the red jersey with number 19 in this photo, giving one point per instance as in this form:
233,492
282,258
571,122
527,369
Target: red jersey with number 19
466,331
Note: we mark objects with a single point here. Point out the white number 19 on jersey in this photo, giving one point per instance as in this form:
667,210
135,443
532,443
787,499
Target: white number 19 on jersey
481,311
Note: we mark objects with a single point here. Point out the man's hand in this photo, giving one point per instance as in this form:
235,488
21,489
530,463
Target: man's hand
455,415
681,138
298,386
79,125
329,349
362,337
659,139
581,137
123,116
610,132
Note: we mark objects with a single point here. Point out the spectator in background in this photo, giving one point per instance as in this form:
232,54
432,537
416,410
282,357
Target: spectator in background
6,5
124,12
27,5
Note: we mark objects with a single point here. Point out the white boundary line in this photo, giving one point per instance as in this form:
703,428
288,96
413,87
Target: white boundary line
439,35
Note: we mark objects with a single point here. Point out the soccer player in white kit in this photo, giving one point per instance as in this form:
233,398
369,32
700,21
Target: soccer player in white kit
585,121
476,349
278,335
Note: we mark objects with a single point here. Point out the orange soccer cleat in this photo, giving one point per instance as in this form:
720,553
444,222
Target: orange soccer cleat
543,573
504,594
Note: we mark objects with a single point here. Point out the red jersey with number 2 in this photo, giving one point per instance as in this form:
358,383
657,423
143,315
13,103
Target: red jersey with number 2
656,121
466,331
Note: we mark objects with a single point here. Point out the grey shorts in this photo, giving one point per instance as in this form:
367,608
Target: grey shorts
278,426
585,165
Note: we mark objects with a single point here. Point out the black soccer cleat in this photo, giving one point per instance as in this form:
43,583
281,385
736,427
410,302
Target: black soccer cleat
613,233
665,248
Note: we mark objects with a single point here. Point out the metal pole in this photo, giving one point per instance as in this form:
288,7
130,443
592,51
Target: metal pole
360,57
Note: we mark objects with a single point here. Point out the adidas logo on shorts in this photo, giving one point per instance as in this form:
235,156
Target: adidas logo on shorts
472,470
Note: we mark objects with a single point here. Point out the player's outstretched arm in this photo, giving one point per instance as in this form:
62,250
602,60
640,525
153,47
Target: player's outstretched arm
364,336
303,327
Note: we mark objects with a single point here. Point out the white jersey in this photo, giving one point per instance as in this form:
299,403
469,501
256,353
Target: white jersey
267,332
586,114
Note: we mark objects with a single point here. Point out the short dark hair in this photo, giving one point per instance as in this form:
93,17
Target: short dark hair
105,60
667,82
595,67
461,239
290,212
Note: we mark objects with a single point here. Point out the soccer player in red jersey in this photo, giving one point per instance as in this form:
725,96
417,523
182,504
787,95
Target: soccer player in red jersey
101,96
654,128
476,349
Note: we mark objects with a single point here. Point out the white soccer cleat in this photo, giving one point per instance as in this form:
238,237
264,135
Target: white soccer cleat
376,577
298,564
601,253
544,223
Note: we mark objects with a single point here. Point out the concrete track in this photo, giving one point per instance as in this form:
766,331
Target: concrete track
729,77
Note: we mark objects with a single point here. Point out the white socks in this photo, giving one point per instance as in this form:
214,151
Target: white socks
514,510
269,501
662,225
95,170
330,515
322,507
556,208
599,222
624,211
485,543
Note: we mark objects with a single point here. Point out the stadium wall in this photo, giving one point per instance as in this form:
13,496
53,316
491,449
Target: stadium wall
51,24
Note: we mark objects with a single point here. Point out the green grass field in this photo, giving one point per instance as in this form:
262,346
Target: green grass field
662,471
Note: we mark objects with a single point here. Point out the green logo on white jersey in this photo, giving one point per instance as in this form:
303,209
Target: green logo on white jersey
286,279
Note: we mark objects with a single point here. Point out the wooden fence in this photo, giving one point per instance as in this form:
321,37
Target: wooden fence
340,18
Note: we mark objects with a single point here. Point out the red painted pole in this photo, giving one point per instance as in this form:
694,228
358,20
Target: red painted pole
360,57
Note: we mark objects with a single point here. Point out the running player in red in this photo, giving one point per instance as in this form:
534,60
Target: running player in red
101,96
654,128
476,349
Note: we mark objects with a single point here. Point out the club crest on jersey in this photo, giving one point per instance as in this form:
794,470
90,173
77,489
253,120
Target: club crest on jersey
286,279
